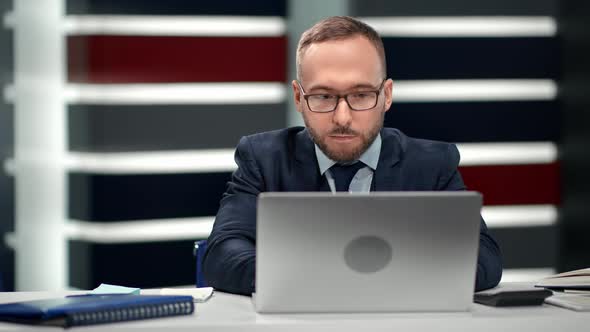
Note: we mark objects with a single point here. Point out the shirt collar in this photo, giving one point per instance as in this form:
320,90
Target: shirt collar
370,157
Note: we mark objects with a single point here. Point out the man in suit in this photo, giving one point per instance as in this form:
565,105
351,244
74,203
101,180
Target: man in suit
342,93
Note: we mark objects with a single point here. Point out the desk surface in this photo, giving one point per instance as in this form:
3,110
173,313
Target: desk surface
228,312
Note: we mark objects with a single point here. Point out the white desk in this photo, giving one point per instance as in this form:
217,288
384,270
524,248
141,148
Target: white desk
227,312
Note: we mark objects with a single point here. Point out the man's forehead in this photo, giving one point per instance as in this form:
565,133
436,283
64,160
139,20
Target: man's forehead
358,41
341,64
340,85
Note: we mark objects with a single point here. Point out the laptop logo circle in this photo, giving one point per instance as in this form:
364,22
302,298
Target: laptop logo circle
367,254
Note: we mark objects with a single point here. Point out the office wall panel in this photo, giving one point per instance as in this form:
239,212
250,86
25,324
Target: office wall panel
471,58
104,198
575,246
483,121
161,59
515,184
143,265
528,247
126,128
452,7
177,7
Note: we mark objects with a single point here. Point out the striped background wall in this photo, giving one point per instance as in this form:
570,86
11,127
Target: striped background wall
483,75
161,92
158,94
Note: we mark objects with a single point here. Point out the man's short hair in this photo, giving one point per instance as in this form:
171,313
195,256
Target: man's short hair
338,28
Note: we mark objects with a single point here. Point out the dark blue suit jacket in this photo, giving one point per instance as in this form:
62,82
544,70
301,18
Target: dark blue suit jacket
285,160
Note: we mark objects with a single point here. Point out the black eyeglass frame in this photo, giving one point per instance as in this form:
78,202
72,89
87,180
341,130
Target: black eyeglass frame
345,96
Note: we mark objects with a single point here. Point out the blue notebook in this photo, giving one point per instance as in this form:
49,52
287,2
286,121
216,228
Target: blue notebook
95,309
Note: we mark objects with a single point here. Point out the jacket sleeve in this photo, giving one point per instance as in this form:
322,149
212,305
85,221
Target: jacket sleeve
229,261
489,261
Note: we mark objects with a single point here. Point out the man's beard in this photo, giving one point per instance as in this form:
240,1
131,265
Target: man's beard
345,156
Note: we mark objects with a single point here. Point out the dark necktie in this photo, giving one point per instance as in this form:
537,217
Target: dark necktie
343,174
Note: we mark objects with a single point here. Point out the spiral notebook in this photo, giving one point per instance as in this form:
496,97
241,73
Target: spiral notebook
95,309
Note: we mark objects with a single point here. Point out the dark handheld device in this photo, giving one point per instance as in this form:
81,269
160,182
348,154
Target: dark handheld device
512,296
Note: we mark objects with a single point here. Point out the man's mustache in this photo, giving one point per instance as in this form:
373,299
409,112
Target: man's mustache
343,131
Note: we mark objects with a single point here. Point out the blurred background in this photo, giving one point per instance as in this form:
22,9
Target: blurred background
118,122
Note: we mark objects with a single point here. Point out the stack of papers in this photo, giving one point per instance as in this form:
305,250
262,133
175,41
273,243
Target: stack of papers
570,301
572,289
572,280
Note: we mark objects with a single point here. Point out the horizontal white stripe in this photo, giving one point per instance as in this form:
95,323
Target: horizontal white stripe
526,275
8,166
177,93
475,154
160,25
198,161
158,230
140,231
392,26
519,215
10,240
8,93
265,93
8,20
464,26
133,231
222,160
200,228
474,90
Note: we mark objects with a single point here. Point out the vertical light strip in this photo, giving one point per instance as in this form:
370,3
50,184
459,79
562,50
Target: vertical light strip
39,145
302,15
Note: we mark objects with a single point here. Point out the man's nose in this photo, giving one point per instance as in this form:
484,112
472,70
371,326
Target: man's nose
342,113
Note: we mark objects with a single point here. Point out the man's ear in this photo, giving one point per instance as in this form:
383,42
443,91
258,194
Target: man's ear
388,92
296,95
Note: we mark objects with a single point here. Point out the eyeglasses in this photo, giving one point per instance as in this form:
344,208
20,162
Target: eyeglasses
357,101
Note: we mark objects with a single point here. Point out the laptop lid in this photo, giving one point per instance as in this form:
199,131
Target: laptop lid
377,252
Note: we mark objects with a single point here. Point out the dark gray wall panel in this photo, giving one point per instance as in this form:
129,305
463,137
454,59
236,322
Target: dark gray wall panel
104,198
6,151
117,128
452,7
143,265
527,247
506,121
472,58
575,90
178,7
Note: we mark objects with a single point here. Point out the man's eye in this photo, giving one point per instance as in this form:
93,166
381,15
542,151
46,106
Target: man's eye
360,95
325,97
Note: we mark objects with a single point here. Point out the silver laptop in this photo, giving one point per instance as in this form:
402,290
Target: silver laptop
377,252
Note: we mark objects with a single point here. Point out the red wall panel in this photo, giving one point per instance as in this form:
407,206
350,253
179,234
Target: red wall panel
514,184
168,59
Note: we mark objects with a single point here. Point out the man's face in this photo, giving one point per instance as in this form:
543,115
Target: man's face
341,67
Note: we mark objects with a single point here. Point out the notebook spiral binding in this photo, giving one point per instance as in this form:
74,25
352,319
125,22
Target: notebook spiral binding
130,313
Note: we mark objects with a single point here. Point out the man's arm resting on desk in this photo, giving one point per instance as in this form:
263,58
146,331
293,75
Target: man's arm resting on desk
231,265
489,260
229,262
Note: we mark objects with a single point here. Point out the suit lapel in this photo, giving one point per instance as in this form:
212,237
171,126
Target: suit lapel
387,176
307,170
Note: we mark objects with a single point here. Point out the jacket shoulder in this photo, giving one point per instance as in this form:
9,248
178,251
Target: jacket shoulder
423,150
275,143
